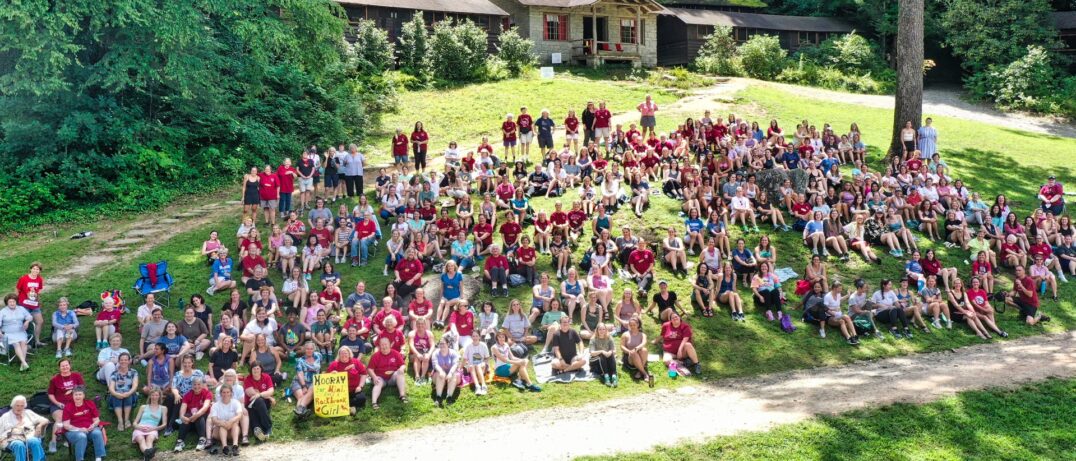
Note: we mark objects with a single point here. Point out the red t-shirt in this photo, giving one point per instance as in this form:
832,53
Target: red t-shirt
496,261
1050,192
571,125
399,145
576,218
384,365
408,269
417,137
806,150
978,299
525,121
485,229
195,400
81,416
508,131
333,295
464,322
380,316
1028,284
365,228
25,284
981,268
505,191
60,387
359,324
323,236
602,118
259,385
526,254
930,267
641,260
354,369
286,176
1041,249
420,308
914,164
110,315
510,232
1007,249
268,186
559,218
397,340
249,262
671,337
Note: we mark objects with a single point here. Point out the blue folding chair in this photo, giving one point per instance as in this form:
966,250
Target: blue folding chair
160,282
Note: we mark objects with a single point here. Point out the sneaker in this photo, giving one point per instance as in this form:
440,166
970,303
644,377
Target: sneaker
385,271
52,446
259,434
307,276
697,368
244,441
1003,334
691,252
851,341
201,444
534,388
516,383
226,451
209,291
605,380
59,354
769,315
67,352
755,229
179,446
198,356
936,323
167,431
235,451
896,333
822,332
878,334
908,333
1044,319
616,380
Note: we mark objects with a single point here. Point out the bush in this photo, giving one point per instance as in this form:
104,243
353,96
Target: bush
517,53
850,52
998,32
458,51
1029,83
415,47
806,72
718,54
372,49
762,56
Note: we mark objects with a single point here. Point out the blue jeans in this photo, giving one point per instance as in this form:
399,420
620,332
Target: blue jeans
284,203
360,248
78,441
463,262
33,445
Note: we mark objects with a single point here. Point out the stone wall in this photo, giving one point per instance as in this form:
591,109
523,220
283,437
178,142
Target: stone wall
770,181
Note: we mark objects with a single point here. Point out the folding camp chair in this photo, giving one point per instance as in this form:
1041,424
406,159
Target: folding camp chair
154,278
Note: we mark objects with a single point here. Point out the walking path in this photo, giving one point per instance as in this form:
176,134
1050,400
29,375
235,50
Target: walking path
702,410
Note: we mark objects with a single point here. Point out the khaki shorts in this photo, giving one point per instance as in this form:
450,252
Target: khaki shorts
271,204
602,132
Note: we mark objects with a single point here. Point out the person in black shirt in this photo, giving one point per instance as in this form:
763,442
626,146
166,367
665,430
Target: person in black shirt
666,302
538,182
566,343
588,123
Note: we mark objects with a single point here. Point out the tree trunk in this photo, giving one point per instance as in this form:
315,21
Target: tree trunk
909,53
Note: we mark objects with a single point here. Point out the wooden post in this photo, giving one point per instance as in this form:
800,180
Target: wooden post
594,35
638,31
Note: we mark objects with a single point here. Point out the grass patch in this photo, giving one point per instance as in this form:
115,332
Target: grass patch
728,349
1035,422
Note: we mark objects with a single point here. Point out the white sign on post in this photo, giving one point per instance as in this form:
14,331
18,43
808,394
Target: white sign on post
556,58
546,72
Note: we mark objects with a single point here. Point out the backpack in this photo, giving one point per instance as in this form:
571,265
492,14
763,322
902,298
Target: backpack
39,403
863,325
515,280
786,323
815,311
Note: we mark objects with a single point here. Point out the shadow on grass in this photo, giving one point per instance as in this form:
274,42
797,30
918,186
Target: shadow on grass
991,173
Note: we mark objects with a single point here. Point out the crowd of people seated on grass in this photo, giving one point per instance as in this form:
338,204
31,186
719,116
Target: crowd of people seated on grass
469,218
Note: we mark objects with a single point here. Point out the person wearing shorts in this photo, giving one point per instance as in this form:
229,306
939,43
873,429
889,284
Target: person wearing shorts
545,126
399,148
1026,298
602,124
646,115
508,137
526,131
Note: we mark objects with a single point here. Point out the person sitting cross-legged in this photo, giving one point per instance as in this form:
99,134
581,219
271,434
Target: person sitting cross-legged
566,345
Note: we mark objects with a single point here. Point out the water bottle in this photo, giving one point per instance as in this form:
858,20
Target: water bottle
180,304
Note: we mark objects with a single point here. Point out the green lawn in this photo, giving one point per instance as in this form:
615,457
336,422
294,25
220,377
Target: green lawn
467,113
1035,422
728,348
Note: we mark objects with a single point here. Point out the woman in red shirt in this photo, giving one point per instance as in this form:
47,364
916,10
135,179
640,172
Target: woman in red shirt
386,368
82,423
259,389
61,394
399,148
571,130
356,377
677,346
29,289
933,266
496,272
420,140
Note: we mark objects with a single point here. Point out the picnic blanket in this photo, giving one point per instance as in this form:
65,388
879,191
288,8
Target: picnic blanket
543,370
785,274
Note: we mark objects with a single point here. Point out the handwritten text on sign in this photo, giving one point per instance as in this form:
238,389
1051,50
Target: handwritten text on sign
330,395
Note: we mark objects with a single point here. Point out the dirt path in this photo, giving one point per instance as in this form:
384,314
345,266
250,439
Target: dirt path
940,101
128,241
706,410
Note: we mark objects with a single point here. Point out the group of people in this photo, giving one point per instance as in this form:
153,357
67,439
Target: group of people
214,375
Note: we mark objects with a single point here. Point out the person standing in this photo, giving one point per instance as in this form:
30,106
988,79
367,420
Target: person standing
28,290
602,125
526,132
508,136
928,139
286,175
269,193
420,141
353,164
306,180
588,123
545,127
647,121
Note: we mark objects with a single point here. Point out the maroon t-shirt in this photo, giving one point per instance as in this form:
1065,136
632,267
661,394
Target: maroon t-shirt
268,186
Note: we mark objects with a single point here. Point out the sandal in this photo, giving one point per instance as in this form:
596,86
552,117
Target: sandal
375,406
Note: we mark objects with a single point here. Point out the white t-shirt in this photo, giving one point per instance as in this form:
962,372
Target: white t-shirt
226,411
833,304
476,353
741,203
889,299
253,328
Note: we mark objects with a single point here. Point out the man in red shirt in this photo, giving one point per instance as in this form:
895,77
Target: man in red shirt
526,131
1052,195
508,136
399,148
526,259
386,311
386,368
408,274
801,210
641,265
1026,298
496,271
250,261
269,192
602,127
286,175
322,233
510,231
483,234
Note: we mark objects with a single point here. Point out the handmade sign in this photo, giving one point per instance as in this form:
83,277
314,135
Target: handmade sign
330,395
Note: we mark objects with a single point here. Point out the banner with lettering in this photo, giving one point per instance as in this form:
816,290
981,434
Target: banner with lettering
330,395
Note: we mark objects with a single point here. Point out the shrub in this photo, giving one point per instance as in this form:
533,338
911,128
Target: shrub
517,53
1029,83
458,51
414,47
998,32
850,52
718,54
372,49
762,56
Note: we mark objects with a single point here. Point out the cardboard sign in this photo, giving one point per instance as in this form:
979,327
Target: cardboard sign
330,395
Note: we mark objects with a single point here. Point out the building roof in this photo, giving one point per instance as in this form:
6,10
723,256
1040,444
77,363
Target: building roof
648,5
450,6
760,21
1064,20
706,3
